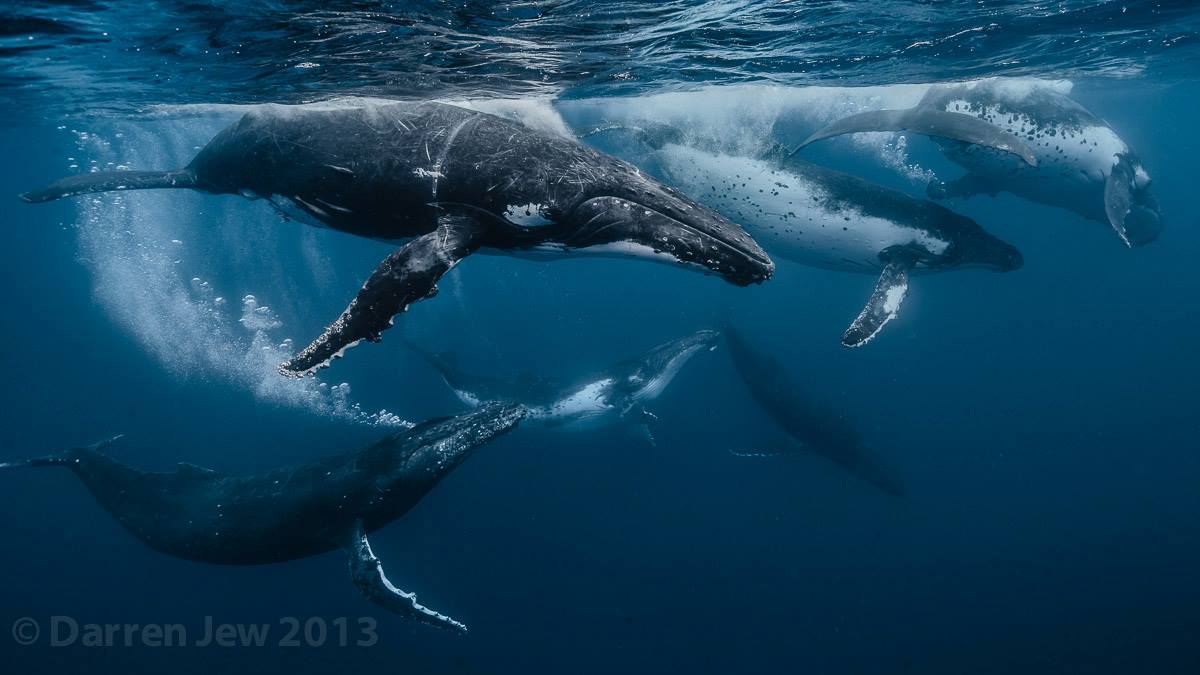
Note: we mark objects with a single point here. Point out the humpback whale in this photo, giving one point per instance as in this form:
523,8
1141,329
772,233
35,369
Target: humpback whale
290,513
808,426
618,394
450,182
828,219
1078,163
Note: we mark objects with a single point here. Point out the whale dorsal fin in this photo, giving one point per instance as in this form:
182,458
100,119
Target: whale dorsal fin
939,123
885,301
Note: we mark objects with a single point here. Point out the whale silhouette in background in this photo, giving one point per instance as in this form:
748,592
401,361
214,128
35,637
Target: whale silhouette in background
807,426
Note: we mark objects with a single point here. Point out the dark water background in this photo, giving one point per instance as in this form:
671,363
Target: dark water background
1043,421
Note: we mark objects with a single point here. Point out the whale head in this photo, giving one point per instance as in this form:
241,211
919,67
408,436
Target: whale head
656,369
622,211
409,463
973,246
1143,221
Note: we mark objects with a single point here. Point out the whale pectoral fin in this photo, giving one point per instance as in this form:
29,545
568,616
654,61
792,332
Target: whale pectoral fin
639,420
939,123
367,573
1118,196
404,277
884,304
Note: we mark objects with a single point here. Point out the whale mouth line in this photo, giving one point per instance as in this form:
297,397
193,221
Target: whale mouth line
733,246
713,246
758,256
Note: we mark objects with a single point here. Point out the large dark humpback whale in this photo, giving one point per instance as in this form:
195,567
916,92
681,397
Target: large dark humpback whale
1078,161
451,180
295,512
808,425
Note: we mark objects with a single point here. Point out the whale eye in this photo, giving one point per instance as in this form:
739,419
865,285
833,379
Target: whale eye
528,215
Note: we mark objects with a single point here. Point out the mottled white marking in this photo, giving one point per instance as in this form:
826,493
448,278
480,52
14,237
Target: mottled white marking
289,208
466,397
1062,151
789,215
527,215
427,173
335,207
312,208
893,299
587,403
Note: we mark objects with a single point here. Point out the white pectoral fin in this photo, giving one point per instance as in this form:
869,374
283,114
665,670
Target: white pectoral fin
1118,197
367,573
883,306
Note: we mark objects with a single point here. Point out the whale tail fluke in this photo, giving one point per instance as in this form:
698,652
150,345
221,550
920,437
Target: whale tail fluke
108,181
61,459
939,123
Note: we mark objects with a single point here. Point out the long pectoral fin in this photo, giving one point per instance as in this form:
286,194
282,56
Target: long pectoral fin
884,303
639,420
404,277
1118,196
939,123
367,573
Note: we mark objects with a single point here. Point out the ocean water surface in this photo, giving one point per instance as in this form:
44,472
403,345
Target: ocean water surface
1042,420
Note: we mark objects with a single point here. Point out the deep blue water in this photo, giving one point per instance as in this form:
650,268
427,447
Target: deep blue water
1043,420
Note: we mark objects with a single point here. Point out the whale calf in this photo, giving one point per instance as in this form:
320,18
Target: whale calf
450,182
290,513
1079,162
824,218
619,394
808,426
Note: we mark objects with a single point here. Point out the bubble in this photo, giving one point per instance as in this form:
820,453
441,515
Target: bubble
176,308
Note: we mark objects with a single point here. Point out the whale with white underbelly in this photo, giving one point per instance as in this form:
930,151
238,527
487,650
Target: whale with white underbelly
824,218
1078,161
